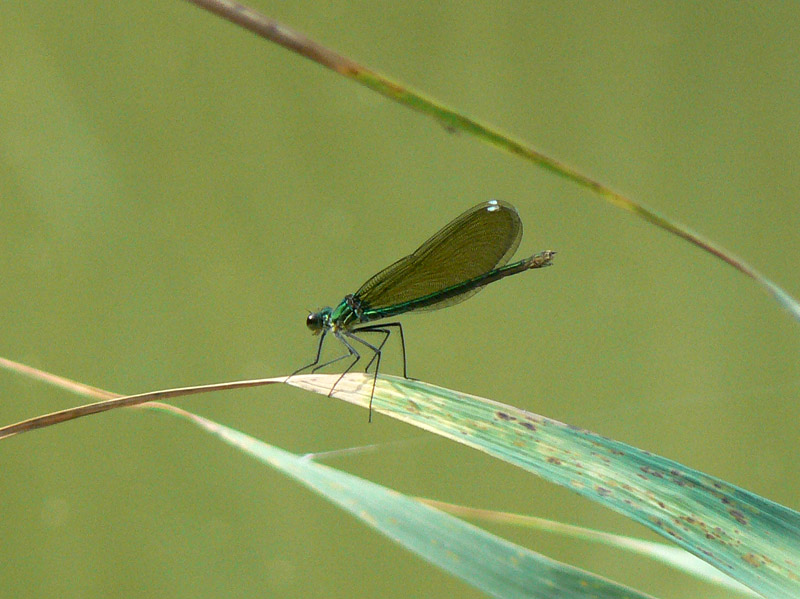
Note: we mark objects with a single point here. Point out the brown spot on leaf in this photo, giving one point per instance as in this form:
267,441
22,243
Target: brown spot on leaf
739,517
753,560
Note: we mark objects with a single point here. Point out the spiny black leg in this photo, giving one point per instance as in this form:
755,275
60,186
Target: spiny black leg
402,344
370,329
385,334
316,360
329,362
353,352
376,354
380,328
375,380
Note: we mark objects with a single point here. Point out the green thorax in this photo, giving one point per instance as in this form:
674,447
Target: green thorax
348,313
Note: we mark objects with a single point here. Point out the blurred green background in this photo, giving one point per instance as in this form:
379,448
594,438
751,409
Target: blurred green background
175,193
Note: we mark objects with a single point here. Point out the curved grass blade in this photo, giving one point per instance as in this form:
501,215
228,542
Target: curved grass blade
487,562
108,400
751,539
297,42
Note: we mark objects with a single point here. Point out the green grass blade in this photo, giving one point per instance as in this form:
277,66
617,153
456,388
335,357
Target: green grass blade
749,538
492,564
455,121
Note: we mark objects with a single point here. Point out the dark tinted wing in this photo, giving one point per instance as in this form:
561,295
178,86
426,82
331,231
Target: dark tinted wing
483,238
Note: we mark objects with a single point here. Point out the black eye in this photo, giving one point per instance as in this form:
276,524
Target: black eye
314,321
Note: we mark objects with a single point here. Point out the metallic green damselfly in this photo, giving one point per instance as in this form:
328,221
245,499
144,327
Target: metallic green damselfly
457,262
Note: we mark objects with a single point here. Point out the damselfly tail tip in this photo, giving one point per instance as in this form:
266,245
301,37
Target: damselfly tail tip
542,259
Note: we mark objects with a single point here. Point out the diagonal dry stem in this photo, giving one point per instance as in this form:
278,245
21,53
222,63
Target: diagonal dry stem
454,121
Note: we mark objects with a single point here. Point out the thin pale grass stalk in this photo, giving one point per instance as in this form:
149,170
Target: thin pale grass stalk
109,400
674,557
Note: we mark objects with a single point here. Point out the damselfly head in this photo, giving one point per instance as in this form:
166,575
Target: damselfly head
316,321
